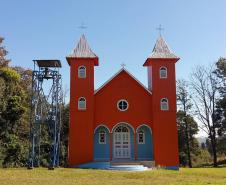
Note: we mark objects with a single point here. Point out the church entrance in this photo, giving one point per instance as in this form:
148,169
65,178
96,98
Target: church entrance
121,142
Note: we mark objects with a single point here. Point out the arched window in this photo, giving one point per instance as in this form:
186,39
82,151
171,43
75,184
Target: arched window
82,72
81,103
163,72
164,104
141,137
102,137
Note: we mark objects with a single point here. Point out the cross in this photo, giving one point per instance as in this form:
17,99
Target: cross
82,26
160,29
123,65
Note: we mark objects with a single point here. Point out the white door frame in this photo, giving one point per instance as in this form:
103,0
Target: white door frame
121,137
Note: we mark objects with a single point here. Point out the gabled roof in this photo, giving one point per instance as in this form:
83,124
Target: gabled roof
120,71
82,50
161,50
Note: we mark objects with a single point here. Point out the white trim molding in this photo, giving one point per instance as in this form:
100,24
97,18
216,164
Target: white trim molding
160,74
101,125
81,108
165,103
79,72
142,125
126,103
97,90
122,123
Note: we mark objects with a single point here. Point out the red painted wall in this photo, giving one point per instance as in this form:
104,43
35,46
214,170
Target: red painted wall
80,144
164,122
144,108
123,86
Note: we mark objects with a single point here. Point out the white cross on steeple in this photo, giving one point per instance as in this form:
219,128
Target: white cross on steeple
160,29
123,65
82,26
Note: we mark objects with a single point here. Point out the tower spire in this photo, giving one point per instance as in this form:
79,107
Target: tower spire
161,50
82,50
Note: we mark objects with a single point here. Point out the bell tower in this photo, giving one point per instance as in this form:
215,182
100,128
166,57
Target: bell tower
162,83
81,62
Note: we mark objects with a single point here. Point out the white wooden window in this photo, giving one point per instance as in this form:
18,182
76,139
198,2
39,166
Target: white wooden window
82,72
164,104
163,72
81,103
102,137
122,105
141,137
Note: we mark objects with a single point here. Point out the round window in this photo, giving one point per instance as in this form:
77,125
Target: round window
122,105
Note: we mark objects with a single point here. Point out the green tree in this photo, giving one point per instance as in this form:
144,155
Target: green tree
221,104
184,104
3,61
64,135
14,110
186,134
15,152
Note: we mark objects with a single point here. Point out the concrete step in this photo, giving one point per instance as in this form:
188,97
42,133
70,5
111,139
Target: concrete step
125,162
128,167
149,164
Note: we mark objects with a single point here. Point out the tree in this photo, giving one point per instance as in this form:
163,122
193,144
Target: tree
15,153
186,137
185,105
204,85
64,135
3,61
14,106
221,104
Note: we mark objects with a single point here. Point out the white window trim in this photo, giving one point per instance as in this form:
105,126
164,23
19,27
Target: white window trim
102,143
161,107
163,77
79,76
141,143
79,108
124,109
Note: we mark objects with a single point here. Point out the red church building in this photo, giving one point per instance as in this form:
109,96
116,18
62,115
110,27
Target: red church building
123,119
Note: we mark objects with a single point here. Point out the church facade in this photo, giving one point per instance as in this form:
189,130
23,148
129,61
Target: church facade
123,119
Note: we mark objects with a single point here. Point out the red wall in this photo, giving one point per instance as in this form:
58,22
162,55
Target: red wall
81,121
165,128
144,108
123,86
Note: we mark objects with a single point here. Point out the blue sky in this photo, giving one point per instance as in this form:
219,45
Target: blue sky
119,31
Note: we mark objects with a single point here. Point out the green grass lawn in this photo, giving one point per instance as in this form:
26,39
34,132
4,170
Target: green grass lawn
67,176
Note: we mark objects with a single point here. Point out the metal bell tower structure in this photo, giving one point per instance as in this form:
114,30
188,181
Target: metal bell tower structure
46,103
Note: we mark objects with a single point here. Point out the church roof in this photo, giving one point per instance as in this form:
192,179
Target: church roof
120,71
161,50
82,50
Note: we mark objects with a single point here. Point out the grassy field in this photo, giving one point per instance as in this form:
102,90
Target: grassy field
41,176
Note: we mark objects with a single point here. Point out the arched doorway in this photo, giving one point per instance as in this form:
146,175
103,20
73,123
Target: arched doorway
121,142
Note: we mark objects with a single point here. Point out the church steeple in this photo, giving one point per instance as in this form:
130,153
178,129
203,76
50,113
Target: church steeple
82,62
162,83
161,51
82,50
